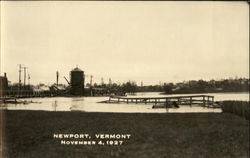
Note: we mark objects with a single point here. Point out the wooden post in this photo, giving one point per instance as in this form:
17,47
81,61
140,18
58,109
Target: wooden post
136,101
127,101
191,101
155,101
204,101
166,103
118,100
212,100
208,101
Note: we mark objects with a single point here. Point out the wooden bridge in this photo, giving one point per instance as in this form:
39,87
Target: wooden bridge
204,100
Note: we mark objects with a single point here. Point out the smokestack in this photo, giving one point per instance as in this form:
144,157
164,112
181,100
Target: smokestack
5,75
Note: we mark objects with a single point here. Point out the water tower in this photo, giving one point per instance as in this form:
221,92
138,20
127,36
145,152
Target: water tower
77,82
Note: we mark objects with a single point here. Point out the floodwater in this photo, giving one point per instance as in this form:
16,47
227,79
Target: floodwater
89,104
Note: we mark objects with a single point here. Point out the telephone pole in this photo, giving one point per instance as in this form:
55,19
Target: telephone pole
19,80
102,82
110,82
57,77
24,75
91,93
91,80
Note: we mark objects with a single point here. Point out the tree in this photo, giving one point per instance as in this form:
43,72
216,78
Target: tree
168,88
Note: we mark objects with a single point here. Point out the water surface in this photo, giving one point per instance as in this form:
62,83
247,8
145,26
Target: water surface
89,104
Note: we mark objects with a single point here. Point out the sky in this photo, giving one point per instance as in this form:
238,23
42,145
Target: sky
147,42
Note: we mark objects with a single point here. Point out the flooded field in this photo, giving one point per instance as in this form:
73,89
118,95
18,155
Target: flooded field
89,104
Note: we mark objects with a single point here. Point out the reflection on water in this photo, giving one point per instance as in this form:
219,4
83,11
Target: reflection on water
89,104
54,105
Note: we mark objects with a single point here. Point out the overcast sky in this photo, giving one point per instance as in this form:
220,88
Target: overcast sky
140,41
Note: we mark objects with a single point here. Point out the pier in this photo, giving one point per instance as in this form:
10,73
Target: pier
8,100
203,100
28,94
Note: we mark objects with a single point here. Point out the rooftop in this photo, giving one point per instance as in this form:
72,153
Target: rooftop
76,69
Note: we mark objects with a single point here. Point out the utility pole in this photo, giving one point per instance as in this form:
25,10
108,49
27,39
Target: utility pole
20,71
91,80
110,82
91,93
24,75
57,77
102,82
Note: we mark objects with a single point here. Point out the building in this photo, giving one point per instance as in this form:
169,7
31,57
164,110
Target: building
3,85
77,82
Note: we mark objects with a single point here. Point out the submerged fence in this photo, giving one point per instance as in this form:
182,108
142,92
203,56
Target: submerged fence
240,108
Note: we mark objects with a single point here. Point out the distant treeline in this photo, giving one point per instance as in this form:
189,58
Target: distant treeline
128,87
201,86
192,86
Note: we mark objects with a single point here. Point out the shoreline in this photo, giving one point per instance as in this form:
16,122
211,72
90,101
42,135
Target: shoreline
160,93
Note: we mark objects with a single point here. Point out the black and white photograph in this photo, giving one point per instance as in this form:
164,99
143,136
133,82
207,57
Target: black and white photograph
124,79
